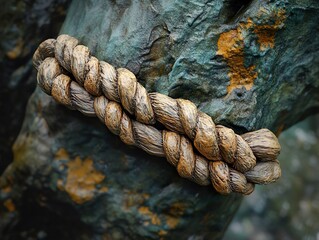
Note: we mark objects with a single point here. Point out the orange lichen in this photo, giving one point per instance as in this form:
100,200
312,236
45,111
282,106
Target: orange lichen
177,209
266,36
61,154
16,51
132,198
104,189
266,33
150,215
172,222
230,44
81,178
162,233
231,47
9,205
6,189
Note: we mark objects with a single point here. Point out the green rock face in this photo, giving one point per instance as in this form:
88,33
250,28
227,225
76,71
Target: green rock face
73,162
248,69
248,66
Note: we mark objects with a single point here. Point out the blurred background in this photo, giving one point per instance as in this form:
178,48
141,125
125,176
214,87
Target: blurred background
288,209
23,25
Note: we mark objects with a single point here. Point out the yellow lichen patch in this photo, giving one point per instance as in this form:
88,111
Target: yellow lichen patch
132,198
104,189
6,189
16,51
81,179
61,154
177,209
231,47
266,33
9,205
230,43
266,36
172,222
150,215
162,233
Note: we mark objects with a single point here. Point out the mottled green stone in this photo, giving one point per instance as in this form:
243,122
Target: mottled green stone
173,48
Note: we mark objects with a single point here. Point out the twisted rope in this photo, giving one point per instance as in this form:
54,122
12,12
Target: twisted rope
232,163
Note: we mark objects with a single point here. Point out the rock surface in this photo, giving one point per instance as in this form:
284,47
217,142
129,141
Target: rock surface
225,56
24,24
248,65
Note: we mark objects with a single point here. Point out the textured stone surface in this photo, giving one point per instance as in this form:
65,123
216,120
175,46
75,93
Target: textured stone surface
64,160
248,65
225,60
24,24
288,210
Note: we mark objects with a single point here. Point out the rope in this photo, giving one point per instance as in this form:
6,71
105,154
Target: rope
232,163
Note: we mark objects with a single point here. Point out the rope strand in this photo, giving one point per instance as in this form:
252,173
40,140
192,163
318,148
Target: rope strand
230,162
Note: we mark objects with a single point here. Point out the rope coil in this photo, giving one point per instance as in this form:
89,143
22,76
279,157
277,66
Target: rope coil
232,163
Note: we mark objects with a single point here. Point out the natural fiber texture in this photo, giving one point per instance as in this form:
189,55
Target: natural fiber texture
232,163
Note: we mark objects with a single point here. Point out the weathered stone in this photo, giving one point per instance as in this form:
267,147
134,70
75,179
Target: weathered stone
24,24
236,62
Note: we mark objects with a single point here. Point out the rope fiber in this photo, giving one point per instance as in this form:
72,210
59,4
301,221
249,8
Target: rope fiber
200,150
